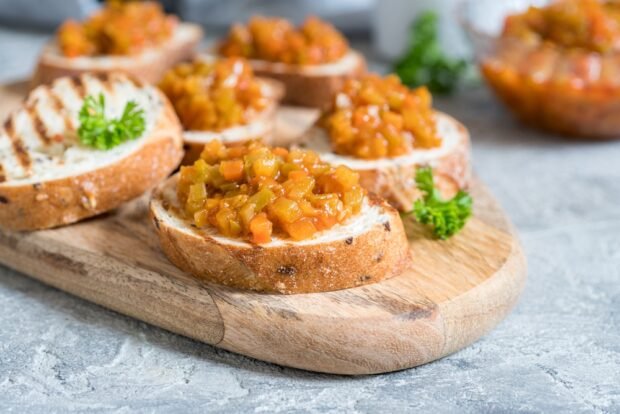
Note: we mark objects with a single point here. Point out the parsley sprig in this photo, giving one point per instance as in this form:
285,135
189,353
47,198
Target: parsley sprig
97,131
424,63
446,217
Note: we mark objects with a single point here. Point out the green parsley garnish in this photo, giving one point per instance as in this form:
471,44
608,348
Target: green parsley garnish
97,131
446,217
424,63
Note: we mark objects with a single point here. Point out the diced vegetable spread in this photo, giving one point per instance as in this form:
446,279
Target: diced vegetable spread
210,96
558,67
277,40
592,25
377,117
120,28
253,192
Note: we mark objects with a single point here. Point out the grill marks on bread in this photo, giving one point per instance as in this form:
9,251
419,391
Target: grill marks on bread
19,149
58,106
77,85
40,128
46,124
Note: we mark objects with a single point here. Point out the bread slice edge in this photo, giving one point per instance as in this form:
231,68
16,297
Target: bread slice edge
149,66
343,257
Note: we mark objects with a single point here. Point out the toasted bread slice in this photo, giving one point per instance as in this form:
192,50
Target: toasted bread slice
262,126
48,178
312,85
148,66
367,248
394,178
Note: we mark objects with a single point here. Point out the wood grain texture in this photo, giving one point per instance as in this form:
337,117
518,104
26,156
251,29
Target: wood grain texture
455,292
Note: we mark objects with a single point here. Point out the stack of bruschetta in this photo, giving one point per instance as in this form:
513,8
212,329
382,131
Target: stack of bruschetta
117,108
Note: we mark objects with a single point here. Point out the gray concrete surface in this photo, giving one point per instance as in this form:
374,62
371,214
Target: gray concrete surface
559,351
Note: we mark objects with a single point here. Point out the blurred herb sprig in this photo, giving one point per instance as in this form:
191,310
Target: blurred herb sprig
424,63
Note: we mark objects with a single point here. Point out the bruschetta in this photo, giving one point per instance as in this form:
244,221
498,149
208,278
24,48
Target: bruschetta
49,177
136,38
221,99
270,220
385,131
312,61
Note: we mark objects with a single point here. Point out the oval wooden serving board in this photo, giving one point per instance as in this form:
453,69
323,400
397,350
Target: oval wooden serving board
454,293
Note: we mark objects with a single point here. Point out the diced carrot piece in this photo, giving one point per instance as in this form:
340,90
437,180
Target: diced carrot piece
261,228
297,174
280,152
232,170
237,151
324,221
301,229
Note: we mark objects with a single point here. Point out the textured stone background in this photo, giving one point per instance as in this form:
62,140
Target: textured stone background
559,351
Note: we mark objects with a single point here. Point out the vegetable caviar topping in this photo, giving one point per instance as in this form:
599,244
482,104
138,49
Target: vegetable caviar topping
276,40
380,117
97,131
210,96
592,25
446,217
253,191
118,29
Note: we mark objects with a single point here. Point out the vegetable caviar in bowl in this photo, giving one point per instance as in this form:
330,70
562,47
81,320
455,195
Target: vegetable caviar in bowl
555,64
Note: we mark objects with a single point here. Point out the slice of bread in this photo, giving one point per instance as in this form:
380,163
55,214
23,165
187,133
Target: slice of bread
262,126
312,85
48,178
148,66
367,248
394,178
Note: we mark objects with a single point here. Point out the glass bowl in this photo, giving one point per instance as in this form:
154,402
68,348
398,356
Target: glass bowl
566,91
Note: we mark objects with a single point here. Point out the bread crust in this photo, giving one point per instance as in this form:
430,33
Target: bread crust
379,253
54,203
396,182
51,65
304,88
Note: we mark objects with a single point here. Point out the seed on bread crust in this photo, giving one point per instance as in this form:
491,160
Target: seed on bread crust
287,270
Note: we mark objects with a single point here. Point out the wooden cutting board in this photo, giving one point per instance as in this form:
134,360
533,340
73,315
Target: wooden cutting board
454,293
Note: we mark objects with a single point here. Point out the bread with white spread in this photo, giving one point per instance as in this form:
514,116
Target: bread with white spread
48,178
